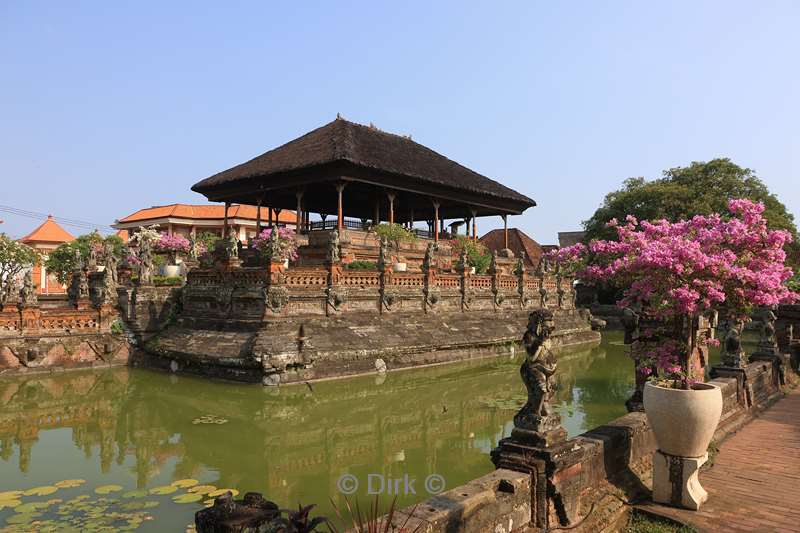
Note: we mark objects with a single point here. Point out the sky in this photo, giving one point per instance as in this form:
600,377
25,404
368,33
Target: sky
109,107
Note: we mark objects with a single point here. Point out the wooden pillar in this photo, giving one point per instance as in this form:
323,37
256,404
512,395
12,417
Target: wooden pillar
505,232
474,226
436,221
258,216
411,219
225,220
340,210
298,220
269,216
377,218
391,196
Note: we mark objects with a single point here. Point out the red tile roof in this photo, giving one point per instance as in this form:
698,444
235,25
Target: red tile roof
48,231
205,212
517,242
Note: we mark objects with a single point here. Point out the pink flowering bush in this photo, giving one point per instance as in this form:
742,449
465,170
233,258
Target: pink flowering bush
172,243
686,269
286,243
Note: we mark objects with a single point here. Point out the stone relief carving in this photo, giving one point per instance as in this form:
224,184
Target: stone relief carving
336,297
276,298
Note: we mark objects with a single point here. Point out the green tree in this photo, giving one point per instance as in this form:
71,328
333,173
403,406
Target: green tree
61,261
14,258
701,188
478,255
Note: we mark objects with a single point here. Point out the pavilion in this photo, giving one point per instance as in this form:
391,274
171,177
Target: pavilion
351,170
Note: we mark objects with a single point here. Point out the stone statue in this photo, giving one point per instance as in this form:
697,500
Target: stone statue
233,245
110,262
192,246
92,263
272,247
145,262
732,353
381,254
559,289
630,321
334,247
83,285
27,294
463,261
427,261
537,373
493,263
768,319
542,296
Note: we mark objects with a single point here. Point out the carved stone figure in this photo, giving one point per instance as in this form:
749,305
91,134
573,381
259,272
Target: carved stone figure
537,373
427,261
334,247
493,264
83,285
276,298
463,261
768,338
27,294
110,263
193,247
233,245
543,296
732,353
630,321
272,249
381,264
145,262
92,263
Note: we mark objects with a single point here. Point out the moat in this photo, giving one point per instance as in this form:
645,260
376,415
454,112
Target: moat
133,433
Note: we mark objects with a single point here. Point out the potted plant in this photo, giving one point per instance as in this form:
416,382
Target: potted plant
674,276
395,234
279,246
478,257
173,245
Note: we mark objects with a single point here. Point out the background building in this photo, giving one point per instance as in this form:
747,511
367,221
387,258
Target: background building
518,241
183,219
44,239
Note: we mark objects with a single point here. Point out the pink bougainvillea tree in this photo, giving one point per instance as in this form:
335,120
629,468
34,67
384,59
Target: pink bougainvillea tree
285,245
676,272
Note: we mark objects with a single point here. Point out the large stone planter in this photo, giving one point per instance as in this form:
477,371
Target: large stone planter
683,421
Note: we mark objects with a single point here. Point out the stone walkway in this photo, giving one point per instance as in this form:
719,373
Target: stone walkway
754,484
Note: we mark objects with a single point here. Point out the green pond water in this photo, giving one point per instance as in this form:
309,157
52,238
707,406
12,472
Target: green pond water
101,449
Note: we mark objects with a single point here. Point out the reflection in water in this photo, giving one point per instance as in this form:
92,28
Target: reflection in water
134,427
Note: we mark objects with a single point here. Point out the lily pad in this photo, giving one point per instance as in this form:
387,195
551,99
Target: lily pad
166,489
9,504
185,483
69,483
135,494
22,518
220,492
41,491
190,497
31,507
203,489
108,489
10,495
209,503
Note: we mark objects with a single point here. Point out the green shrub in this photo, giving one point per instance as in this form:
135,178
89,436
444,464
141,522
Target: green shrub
362,265
477,254
394,234
166,281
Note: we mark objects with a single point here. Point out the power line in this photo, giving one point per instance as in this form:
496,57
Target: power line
82,224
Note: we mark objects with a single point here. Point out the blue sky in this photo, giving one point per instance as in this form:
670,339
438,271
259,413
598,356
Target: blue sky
108,107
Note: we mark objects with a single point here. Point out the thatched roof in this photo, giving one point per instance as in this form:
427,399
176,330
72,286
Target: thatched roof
346,149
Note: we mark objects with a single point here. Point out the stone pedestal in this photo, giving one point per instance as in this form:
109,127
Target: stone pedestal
675,480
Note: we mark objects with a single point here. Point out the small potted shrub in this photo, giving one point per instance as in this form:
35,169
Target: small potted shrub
172,245
395,234
676,275
280,247
478,257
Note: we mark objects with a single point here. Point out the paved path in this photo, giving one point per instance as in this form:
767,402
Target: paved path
755,483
